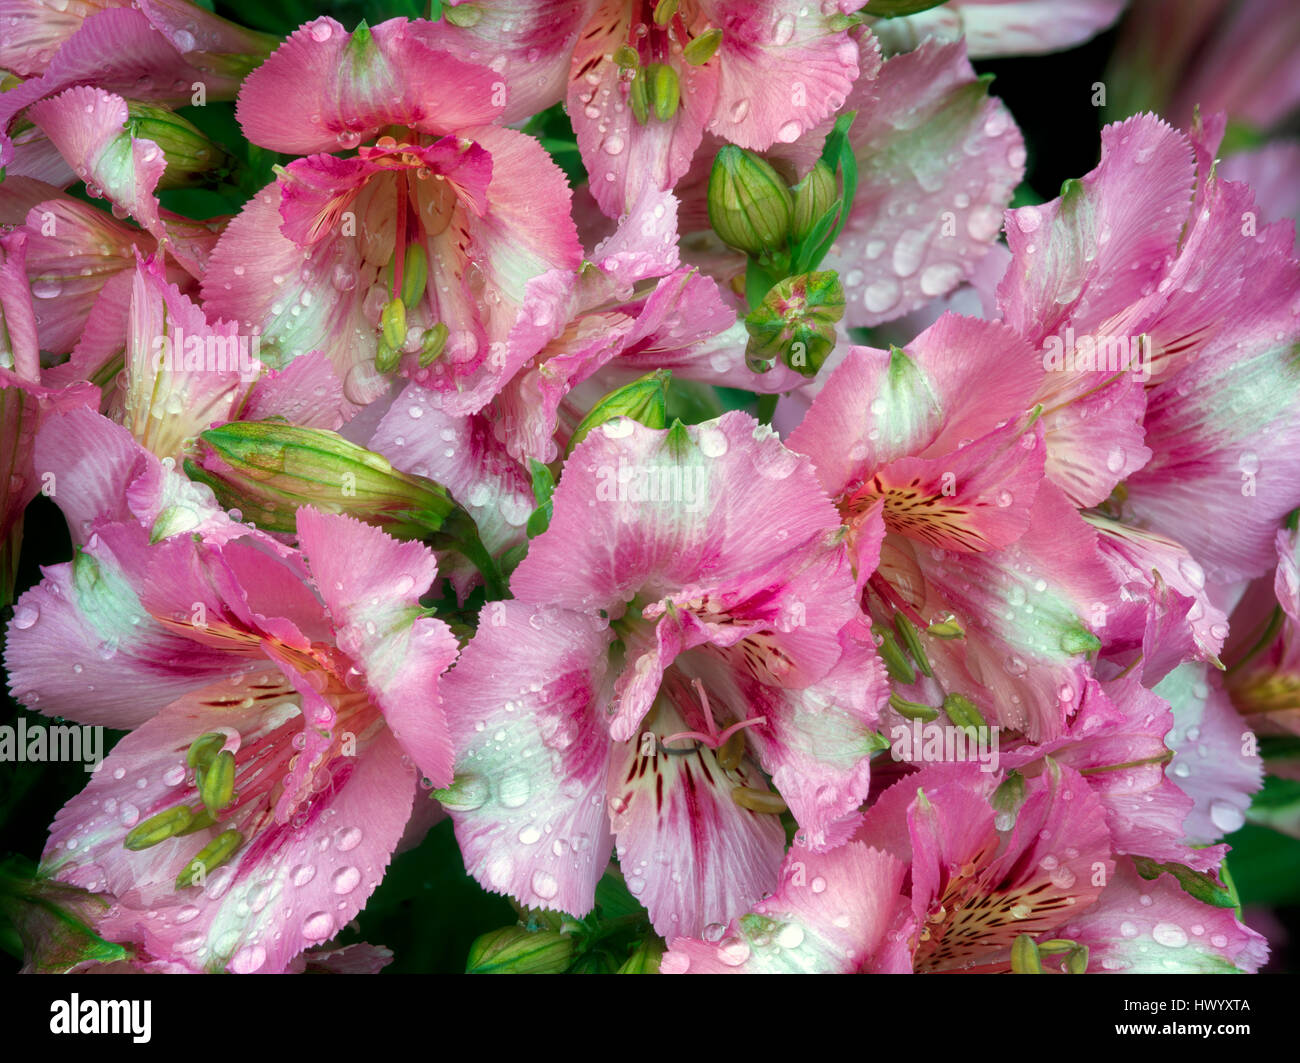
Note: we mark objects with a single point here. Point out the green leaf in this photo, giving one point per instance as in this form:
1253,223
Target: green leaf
899,8
543,488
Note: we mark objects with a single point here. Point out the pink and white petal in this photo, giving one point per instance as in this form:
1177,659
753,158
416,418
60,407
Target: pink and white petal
1141,927
325,88
1027,611
88,126
464,455
529,41
920,224
19,349
305,392
1268,170
207,39
1216,760
689,852
1105,420
326,288
83,646
610,544
35,30
532,756
782,69
1081,260
372,584
831,914
1163,609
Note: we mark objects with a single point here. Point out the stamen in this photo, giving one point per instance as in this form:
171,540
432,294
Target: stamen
210,857
218,784
159,828
758,800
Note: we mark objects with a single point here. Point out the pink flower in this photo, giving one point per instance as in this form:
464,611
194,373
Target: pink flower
947,873
688,617
936,463
310,677
452,223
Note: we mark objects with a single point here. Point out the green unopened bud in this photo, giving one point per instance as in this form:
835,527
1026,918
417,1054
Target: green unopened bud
750,206
645,960
796,322
703,48
896,663
645,400
466,16
912,642
159,828
913,710
212,856
189,153
392,321
962,711
1024,956
626,57
432,341
514,950
664,12
267,469
218,785
665,90
204,748
813,198
638,96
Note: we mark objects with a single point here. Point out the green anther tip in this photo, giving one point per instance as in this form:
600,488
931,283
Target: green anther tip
158,828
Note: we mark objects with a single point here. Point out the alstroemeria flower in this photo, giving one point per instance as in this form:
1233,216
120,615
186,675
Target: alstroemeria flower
688,617
648,79
936,464
367,257
303,683
167,51
965,883
1153,271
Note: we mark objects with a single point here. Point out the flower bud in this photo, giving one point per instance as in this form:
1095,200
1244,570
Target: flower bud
813,197
267,469
189,153
514,950
796,322
55,923
644,400
750,207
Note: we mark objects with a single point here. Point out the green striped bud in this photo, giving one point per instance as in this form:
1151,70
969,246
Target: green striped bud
813,198
750,206
644,400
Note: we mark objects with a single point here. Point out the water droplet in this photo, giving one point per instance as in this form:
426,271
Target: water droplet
345,880
1170,935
